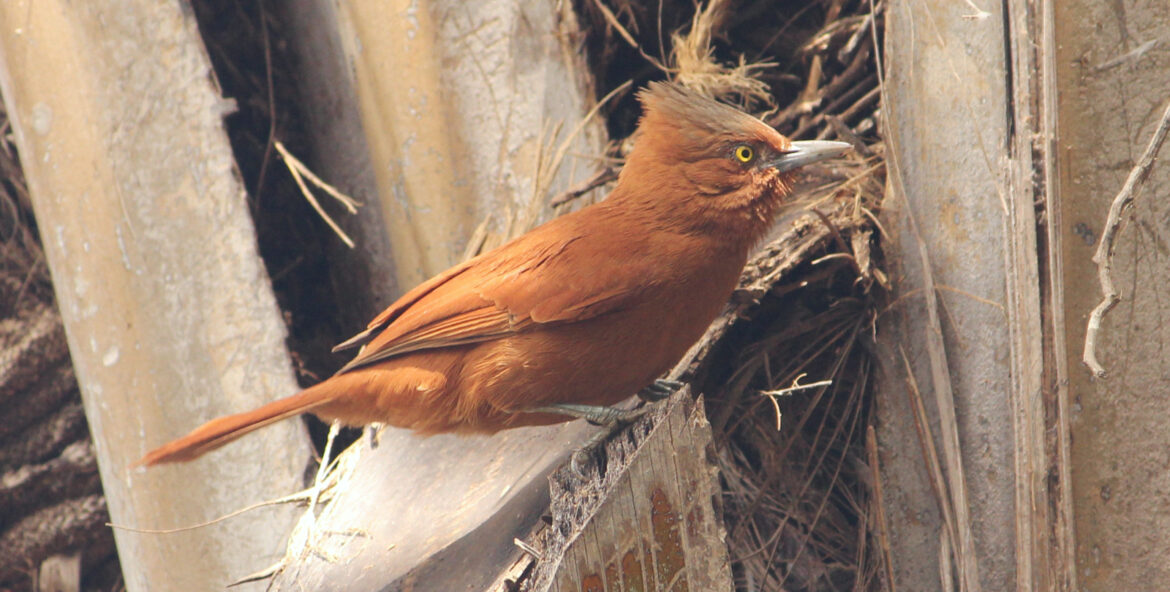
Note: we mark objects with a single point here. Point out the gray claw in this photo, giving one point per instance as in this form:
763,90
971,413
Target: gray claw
659,389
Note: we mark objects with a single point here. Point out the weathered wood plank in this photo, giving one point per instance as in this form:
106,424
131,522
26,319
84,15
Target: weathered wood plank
649,520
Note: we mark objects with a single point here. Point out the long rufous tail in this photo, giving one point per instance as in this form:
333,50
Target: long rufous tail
223,430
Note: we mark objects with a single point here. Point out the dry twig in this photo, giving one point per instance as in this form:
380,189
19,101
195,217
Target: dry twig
882,527
613,21
1104,255
299,172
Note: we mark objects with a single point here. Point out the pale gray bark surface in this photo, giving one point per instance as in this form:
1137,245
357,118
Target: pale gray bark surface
168,311
1084,90
947,130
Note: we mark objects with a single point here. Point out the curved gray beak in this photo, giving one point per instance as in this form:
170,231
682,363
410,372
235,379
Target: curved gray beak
807,152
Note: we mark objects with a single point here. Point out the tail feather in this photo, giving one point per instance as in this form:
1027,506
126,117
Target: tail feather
223,430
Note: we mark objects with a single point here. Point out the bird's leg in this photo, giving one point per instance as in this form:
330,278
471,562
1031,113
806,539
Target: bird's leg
594,414
658,390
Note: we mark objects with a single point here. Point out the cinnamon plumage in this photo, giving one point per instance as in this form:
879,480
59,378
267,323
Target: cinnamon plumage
584,310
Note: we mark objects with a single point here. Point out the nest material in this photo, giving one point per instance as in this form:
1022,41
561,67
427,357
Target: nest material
797,480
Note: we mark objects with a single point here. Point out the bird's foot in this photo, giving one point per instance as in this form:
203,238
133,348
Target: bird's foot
659,389
594,414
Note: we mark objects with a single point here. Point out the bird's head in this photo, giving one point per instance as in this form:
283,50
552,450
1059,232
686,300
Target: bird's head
709,166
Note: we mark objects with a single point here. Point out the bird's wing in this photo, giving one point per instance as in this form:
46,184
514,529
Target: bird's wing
538,279
401,305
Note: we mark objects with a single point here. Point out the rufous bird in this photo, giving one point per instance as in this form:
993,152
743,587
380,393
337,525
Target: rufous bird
577,314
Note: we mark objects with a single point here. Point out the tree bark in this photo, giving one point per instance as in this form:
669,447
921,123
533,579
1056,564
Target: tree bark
169,316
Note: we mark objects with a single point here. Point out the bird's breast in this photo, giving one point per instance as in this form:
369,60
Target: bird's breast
598,361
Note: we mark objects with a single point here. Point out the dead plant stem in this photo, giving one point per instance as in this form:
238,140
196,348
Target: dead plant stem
1105,249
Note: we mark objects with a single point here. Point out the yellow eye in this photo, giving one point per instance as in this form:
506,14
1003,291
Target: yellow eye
744,153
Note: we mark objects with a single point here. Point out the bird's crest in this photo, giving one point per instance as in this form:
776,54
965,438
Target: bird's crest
696,115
